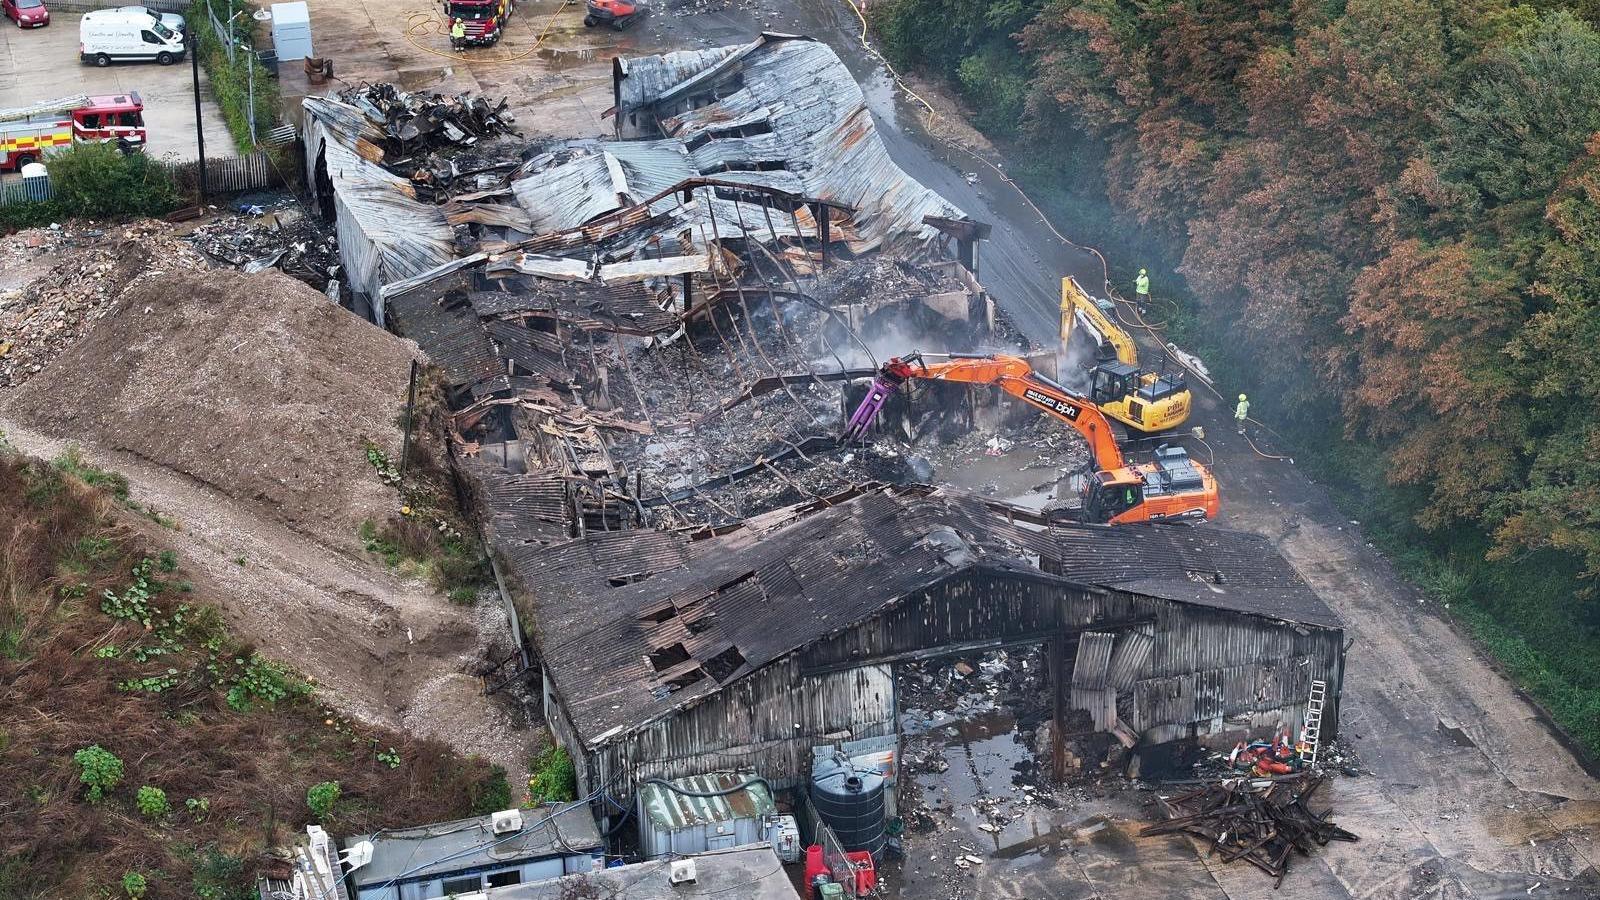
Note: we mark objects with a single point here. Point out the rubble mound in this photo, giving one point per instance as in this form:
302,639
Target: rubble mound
42,316
254,385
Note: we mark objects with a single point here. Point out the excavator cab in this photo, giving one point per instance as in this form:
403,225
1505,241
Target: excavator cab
1108,494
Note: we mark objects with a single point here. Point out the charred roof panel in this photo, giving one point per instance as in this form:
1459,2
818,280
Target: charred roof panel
768,589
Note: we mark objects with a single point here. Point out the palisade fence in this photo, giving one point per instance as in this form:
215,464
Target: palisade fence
224,175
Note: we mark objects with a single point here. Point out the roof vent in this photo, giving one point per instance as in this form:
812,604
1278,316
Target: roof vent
506,821
682,872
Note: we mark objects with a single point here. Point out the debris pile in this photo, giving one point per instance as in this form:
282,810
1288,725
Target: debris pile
253,385
417,121
281,236
1262,822
44,314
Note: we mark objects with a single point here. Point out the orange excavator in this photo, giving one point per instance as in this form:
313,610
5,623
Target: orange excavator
1172,488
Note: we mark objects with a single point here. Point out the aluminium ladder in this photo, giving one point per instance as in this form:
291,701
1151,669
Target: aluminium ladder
1311,734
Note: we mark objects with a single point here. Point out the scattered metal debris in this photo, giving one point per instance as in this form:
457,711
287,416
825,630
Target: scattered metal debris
421,121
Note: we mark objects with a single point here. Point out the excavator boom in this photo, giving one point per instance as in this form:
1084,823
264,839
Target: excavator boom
1148,401
1172,488
1078,310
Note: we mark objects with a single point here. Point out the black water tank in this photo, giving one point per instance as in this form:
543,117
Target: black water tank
851,802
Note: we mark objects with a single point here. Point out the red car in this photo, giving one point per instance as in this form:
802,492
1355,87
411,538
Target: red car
26,13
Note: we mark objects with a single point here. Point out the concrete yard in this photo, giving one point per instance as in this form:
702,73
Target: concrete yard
42,63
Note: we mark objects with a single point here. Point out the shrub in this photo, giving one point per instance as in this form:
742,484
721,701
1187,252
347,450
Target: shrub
554,778
99,769
230,80
101,182
134,885
491,794
152,802
197,807
321,799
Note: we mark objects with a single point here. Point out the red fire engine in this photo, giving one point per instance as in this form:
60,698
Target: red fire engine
27,132
481,21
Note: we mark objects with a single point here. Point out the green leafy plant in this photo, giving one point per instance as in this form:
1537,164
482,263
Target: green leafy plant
389,758
135,885
554,778
321,798
150,684
384,466
134,601
197,807
263,681
168,561
99,769
152,803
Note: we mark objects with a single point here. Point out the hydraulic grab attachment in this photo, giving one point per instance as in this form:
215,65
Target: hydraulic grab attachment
1172,488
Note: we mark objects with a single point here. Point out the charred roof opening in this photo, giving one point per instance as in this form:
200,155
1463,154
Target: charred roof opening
666,657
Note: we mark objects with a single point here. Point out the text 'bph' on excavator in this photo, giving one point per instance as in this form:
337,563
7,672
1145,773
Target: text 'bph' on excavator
1144,400
1170,489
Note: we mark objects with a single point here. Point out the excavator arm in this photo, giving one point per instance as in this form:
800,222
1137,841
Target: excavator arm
1078,309
1011,374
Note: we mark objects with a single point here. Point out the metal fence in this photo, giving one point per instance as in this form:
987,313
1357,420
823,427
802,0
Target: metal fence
224,175
229,174
83,6
833,853
27,190
231,45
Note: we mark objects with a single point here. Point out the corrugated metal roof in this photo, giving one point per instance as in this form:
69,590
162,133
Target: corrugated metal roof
819,124
467,844
411,237
451,335
627,641
1094,660
669,810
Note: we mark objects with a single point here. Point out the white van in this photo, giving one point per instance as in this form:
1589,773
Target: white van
113,35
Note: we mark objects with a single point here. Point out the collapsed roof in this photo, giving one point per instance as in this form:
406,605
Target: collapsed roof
635,624
776,130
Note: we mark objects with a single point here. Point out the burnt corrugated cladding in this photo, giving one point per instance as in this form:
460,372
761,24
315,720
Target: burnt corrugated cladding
1209,669
767,722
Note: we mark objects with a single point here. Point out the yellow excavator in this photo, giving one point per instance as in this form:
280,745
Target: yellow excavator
1148,401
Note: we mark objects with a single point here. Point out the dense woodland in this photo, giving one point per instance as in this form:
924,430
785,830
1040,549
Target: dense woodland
1380,217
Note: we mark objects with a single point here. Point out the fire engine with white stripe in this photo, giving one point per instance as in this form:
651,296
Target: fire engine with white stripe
27,132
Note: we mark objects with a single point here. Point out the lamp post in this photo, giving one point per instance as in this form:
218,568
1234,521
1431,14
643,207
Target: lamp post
199,133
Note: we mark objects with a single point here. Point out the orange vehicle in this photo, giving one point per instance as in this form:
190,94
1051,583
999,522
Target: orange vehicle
1172,488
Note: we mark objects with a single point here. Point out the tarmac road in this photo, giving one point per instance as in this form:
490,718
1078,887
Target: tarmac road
42,63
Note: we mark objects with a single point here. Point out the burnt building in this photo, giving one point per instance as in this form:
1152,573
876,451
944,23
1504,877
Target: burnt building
668,654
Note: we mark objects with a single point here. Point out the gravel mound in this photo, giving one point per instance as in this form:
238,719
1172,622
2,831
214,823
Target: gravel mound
253,384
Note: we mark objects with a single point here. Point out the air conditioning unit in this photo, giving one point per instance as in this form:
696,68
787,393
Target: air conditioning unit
682,872
506,822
